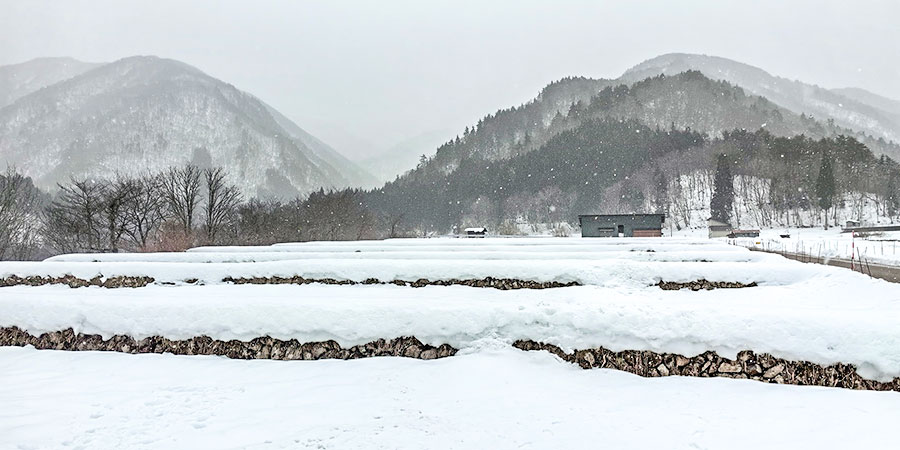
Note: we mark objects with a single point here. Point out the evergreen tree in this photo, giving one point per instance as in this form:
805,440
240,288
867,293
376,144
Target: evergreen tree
892,196
722,200
825,188
661,185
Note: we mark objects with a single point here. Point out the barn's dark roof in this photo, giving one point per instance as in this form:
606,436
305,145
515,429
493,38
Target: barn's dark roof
623,215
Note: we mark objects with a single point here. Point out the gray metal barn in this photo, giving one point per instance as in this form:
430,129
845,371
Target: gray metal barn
625,225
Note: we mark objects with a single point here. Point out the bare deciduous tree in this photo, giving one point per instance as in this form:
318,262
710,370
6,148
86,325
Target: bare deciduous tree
222,200
117,196
145,212
74,221
19,224
181,189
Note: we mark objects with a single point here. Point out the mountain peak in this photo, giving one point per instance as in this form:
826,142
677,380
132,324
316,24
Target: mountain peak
146,113
857,112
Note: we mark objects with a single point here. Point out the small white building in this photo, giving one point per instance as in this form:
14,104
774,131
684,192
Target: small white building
476,232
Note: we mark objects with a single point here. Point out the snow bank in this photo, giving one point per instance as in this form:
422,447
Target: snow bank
496,398
439,254
823,320
875,248
798,312
600,262
767,270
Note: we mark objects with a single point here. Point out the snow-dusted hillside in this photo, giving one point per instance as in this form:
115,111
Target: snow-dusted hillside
688,199
19,80
852,111
146,113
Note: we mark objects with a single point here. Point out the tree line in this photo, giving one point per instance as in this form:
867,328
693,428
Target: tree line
170,211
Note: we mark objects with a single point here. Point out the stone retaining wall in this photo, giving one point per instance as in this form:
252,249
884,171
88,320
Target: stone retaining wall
761,367
489,282
259,348
702,284
74,282
139,281
749,365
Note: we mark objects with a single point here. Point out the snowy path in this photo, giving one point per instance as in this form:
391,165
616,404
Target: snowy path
496,398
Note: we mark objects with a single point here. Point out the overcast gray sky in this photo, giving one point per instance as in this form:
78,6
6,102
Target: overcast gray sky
371,74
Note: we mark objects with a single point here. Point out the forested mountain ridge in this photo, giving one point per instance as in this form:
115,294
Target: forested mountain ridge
144,114
569,172
849,108
685,100
540,163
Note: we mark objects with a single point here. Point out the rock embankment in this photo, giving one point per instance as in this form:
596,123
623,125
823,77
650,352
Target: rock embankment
141,281
749,365
259,348
74,282
489,282
702,285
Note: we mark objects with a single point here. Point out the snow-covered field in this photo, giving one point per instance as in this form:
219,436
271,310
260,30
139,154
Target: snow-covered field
615,262
497,398
881,248
490,395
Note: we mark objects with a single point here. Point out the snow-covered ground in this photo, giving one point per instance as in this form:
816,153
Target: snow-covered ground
823,320
616,262
490,395
798,311
881,248
496,398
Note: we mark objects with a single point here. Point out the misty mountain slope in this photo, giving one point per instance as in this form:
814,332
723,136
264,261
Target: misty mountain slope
685,100
569,172
516,163
146,114
19,80
343,167
861,95
404,155
511,131
851,111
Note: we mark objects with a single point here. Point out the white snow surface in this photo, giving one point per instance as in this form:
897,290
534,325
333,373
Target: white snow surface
874,248
497,398
799,311
609,262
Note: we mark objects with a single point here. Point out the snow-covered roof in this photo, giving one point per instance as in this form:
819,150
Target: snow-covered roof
476,230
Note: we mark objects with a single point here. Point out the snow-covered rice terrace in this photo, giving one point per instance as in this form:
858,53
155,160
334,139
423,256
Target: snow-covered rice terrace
792,312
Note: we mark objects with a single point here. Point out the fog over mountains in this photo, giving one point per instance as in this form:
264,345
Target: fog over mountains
19,80
853,108
648,144
785,107
145,113
60,118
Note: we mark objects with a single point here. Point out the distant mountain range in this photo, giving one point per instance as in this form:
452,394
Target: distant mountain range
60,118
793,107
19,80
594,145
144,113
852,108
